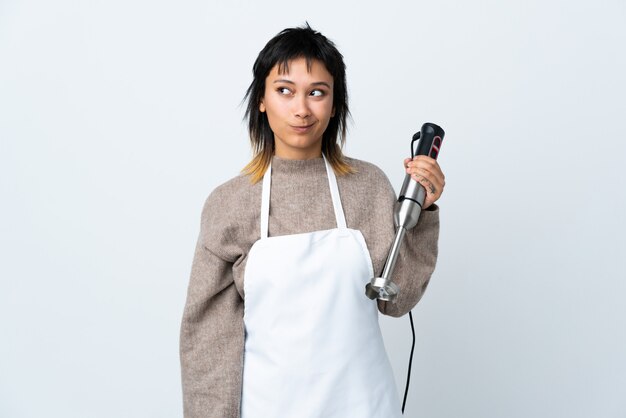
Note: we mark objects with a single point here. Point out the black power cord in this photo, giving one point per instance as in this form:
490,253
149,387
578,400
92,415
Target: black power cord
408,375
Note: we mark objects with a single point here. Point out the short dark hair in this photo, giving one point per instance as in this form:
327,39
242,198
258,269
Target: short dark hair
290,44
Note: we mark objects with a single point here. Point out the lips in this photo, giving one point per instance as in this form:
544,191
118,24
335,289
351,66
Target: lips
301,128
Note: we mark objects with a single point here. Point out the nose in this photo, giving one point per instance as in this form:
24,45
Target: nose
301,107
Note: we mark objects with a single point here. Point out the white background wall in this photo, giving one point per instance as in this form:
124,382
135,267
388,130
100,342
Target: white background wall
117,118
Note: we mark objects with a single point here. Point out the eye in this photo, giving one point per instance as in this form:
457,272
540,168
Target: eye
318,93
283,90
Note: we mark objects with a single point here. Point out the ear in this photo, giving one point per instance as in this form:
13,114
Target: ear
332,114
262,107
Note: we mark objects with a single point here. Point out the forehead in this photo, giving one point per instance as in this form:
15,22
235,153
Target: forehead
300,67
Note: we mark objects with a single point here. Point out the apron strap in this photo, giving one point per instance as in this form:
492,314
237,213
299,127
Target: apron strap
334,194
265,201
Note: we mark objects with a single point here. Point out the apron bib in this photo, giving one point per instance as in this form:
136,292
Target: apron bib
313,346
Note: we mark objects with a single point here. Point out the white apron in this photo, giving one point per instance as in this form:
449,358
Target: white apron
313,346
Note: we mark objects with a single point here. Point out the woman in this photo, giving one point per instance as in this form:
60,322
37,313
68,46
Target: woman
276,322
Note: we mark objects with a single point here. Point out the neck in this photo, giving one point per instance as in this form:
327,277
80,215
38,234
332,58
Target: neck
298,153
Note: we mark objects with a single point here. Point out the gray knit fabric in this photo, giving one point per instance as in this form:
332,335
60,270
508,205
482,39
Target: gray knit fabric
212,334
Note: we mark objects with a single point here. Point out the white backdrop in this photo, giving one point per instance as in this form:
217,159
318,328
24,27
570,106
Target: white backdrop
118,118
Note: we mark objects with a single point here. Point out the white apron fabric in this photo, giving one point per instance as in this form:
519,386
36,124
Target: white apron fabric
313,346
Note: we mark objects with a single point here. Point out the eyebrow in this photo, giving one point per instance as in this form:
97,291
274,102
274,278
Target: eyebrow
317,83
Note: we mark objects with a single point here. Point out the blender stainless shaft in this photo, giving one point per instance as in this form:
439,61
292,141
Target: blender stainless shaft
406,213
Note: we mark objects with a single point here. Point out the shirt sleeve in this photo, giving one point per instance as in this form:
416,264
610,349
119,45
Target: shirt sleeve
415,264
211,334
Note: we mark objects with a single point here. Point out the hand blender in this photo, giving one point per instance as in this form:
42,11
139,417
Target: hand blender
406,213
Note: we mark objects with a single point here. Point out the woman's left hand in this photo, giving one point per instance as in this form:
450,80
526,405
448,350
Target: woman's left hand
426,171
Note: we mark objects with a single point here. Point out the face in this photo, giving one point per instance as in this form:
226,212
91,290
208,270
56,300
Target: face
299,105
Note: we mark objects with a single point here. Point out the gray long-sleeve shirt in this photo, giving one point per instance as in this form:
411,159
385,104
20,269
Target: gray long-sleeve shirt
212,333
